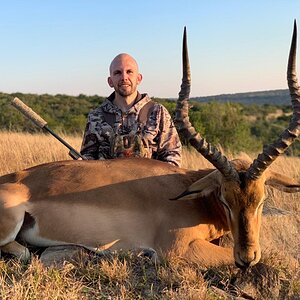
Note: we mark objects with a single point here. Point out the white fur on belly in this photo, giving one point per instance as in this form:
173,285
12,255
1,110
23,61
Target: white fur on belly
32,237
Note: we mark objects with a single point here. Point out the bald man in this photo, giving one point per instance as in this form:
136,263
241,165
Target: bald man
130,124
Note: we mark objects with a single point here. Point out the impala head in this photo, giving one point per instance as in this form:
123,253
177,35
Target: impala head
243,202
240,184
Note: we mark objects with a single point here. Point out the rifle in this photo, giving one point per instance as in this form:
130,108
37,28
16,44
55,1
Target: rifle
40,122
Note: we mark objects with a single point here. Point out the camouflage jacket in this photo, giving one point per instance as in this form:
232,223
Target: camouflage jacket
156,139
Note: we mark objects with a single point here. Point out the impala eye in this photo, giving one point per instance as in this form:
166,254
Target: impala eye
260,205
225,205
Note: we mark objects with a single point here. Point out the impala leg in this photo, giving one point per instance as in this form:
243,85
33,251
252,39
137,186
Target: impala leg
12,212
17,250
208,254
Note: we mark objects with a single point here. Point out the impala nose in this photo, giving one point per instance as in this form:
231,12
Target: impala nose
246,260
243,265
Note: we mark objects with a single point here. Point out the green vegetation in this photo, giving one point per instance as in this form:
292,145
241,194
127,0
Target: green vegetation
232,125
63,113
238,127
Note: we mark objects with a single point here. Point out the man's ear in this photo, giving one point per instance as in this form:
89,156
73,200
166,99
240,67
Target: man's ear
139,78
110,83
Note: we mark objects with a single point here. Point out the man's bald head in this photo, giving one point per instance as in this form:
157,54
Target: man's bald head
120,59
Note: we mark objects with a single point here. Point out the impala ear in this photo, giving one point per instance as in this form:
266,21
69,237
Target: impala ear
201,187
271,211
282,182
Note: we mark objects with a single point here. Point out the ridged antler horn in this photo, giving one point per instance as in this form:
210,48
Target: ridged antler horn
272,151
185,127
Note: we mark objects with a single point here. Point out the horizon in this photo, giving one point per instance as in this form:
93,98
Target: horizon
158,97
65,47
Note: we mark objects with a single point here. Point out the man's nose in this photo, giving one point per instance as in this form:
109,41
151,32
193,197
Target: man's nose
124,75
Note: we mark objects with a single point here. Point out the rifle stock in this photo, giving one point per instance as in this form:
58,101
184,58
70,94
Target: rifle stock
40,122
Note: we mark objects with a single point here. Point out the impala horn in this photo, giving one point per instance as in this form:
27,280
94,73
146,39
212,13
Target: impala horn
184,126
288,136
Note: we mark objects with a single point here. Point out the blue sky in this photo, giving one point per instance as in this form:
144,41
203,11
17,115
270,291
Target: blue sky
66,46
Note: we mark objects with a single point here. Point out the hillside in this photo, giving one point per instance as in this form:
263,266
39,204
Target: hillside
274,97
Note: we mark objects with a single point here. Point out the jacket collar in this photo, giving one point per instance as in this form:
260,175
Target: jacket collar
109,106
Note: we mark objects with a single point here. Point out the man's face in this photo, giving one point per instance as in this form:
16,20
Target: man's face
124,75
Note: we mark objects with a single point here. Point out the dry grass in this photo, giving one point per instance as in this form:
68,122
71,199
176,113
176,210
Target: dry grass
127,276
23,150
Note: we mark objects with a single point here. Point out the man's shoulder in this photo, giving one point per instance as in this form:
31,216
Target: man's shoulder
96,111
106,106
159,108
147,101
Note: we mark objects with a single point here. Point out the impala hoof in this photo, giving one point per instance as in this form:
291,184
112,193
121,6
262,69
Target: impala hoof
25,256
151,254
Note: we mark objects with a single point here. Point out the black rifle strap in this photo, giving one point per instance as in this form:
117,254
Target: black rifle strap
109,118
145,112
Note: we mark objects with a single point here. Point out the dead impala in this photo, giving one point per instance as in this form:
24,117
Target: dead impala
125,203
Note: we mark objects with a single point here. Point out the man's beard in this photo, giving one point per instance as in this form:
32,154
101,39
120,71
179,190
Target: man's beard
125,92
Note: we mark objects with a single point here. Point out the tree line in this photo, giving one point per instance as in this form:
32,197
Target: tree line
232,125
